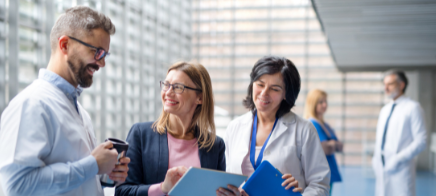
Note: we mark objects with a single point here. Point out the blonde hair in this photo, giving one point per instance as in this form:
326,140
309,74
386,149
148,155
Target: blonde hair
203,117
311,101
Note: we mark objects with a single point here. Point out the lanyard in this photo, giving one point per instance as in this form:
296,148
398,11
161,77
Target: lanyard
253,144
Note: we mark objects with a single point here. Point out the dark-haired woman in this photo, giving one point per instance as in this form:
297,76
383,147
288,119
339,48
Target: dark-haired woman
270,131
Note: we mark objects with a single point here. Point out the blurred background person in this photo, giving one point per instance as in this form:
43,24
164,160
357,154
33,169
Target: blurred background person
271,131
183,136
401,136
314,110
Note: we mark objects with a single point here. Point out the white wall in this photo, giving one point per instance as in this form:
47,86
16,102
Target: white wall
422,88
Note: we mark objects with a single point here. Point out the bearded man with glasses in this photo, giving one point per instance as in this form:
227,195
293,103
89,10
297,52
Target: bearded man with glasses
47,142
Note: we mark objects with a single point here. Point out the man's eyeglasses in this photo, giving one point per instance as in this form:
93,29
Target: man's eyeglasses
100,53
177,88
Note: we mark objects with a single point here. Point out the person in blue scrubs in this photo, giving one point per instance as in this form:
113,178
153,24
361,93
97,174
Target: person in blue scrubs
315,108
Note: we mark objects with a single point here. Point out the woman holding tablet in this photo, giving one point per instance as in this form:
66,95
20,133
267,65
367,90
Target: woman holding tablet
270,131
183,136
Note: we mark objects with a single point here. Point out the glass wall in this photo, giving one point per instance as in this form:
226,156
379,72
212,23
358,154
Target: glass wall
150,36
3,36
229,36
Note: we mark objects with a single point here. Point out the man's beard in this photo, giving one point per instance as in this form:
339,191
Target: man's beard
80,71
394,94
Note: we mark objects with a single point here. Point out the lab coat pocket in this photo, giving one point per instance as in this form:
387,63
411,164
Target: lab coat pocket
286,160
404,164
394,165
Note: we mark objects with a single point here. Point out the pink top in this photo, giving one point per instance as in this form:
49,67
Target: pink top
180,153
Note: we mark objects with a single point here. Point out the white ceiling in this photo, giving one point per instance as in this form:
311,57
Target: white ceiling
375,35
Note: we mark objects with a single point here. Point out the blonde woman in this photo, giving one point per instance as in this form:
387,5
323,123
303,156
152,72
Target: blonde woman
316,106
183,136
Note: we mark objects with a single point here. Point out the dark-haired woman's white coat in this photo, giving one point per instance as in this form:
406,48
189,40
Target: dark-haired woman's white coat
293,147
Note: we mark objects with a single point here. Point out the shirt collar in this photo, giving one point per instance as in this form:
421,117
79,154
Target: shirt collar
61,83
399,99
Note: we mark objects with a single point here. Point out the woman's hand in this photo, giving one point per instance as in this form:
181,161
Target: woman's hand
173,175
328,147
291,182
339,146
234,191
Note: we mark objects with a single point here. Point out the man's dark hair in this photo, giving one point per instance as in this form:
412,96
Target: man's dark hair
291,79
401,77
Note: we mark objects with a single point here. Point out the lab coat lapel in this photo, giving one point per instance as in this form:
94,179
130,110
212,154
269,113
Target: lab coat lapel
279,130
393,133
281,127
396,119
244,138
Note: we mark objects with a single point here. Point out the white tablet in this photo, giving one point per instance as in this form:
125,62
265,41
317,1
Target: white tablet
201,182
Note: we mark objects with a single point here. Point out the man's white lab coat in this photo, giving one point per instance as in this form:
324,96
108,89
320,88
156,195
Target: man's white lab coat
405,139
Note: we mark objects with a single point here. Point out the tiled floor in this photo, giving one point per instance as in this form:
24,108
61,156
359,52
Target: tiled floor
357,181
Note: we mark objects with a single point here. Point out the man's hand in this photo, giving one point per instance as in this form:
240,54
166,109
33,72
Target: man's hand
106,157
119,173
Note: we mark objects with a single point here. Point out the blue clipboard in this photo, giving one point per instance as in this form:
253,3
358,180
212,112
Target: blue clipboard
201,182
267,180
